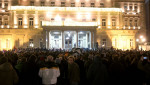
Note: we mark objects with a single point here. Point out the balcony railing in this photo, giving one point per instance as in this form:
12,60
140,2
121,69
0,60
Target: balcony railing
68,23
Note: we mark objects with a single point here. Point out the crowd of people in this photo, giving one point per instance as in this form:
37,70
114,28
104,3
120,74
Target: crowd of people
91,67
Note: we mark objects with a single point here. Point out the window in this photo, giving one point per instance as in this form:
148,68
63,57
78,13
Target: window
52,19
41,43
0,5
72,4
135,23
63,19
30,21
101,4
125,8
125,23
93,19
82,4
130,23
84,20
135,8
41,19
113,22
52,3
0,44
7,43
131,42
104,42
103,22
62,4
31,3
6,21
130,7
20,21
31,43
42,3
6,5
92,4
0,21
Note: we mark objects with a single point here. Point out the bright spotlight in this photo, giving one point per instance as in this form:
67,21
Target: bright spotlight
141,36
137,40
143,40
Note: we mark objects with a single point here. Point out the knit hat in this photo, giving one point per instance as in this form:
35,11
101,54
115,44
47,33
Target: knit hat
3,60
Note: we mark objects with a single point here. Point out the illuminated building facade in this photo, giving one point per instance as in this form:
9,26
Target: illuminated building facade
70,24
147,4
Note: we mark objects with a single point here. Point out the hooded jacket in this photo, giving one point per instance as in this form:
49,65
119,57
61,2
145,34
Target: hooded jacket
8,75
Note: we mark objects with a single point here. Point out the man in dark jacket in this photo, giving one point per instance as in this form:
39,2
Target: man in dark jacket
73,71
8,75
97,73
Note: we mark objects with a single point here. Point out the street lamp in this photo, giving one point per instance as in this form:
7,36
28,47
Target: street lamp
140,40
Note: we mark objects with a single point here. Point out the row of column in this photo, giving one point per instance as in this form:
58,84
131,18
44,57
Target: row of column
47,37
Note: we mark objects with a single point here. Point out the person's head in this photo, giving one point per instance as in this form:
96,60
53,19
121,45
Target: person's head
3,60
70,59
49,58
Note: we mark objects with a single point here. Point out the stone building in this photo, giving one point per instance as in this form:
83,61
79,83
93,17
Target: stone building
147,4
70,24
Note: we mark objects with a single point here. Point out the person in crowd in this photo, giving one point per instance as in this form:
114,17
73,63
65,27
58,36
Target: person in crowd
8,75
144,65
50,72
80,62
97,72
29,74
73,72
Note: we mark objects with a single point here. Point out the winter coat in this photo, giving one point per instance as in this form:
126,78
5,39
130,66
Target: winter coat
8,75
97,73
73,72
49,75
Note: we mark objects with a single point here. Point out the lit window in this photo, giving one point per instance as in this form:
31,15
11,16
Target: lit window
52,19
62,4
0,5
63,19
103,22
135,23
72,4
126,23
92,4
135,8
41,43
6,22
131,23
125,8
31,43
93,19
52,3
113,22
42,3
82,4
101,4
84,20
131,43
0,21
6,5
104,42
130,7
31,3
20,21
30,21
0,44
